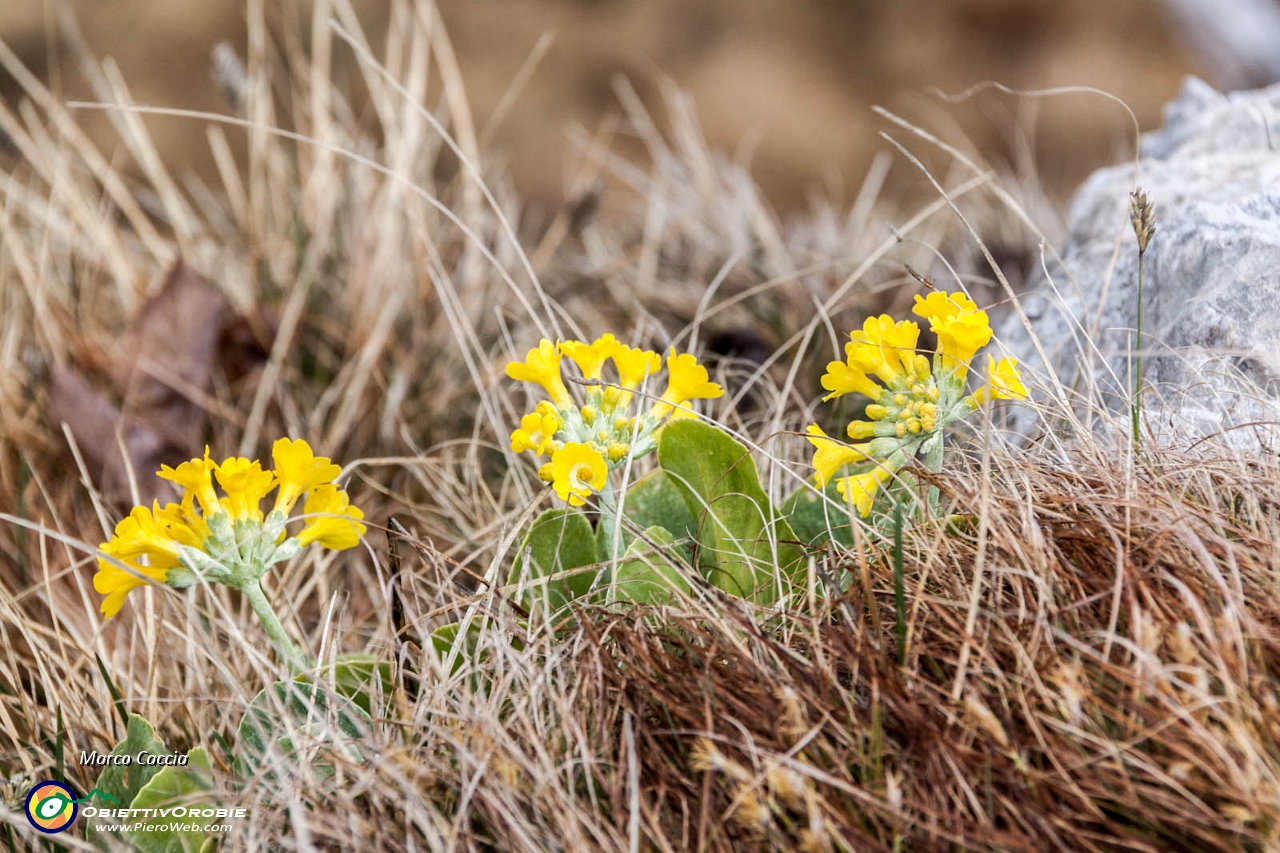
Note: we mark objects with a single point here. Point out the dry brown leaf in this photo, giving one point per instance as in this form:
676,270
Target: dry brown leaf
162,376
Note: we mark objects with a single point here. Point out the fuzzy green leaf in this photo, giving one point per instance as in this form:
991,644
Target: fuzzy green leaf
745,545
124,781
646,573
652,501
359,678
562,549
187,786
444,637
265,738
818,519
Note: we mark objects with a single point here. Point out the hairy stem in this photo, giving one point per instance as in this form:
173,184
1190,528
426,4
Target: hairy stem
610,528
933,461
273,626
1136,407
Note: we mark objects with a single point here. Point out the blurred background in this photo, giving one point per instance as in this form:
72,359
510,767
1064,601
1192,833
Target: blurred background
784,86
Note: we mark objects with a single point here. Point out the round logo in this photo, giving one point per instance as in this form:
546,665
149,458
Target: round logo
51,807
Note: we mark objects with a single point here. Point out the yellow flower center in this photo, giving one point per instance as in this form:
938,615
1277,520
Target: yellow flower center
581,475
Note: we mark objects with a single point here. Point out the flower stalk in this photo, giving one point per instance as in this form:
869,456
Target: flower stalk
607,501
273,627
1142,215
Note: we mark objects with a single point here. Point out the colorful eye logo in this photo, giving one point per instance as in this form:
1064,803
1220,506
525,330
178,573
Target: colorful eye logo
51,807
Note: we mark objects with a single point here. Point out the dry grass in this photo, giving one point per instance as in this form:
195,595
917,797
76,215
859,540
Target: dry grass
1088,662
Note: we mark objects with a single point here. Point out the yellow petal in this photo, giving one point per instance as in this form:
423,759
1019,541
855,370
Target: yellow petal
885,348
541,366
537,432
686,380
939,305
578,470
298,470
116,583
245,484
842,378
331,521
140,533
831,455
861,489
590,358
634,365
1004,382
196,477
182,522
960,337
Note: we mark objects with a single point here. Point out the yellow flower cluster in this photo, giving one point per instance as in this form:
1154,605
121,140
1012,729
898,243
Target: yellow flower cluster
913,398
226,538
587,441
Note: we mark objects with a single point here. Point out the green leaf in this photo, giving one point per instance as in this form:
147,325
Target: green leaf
187,786
481,674
899,586
444,637
646,574
652,501
125,781
111,688
819,518
745,545
286,709
562,550
358,678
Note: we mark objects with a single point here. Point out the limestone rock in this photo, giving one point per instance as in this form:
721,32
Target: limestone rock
1211,325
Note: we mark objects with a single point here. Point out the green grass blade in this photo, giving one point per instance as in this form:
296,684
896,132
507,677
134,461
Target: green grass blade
899,587
115,694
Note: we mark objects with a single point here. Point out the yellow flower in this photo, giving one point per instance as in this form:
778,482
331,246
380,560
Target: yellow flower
861,489
961,328
541,366
885,348
634,366
537,432
577,471
116,583
141,533
841,379
331,521
959,337
182,523
155,535
686,380
245,484
195,476
831,455
590,358
938,305
298,470
897,340
1004,382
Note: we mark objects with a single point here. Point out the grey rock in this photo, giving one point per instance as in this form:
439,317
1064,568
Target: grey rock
1235,40
1211,324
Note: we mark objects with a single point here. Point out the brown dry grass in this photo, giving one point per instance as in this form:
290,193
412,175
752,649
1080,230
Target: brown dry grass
1088,662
